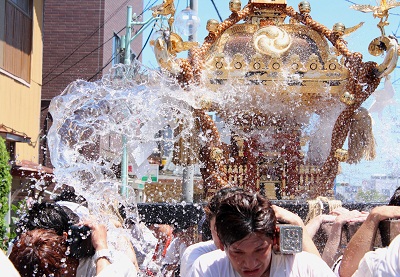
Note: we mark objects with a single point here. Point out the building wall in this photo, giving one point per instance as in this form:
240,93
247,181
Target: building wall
78,45
72,36
20,101
386,185
116,11
77,39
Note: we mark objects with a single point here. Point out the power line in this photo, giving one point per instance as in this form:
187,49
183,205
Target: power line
147,40
111,59
395,80
65,70
84,40
100,70
216,9
350,2
144,10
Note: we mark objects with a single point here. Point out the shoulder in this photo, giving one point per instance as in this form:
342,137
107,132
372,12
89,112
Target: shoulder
395,242
193,252
300,264
213,256
384,261
7,266
121,266
200,248
214,263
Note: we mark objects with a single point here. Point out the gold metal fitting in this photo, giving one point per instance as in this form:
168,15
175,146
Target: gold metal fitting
341,155
205,103
347,98
235,5
216,154
212,25
304,7
378,46
339,28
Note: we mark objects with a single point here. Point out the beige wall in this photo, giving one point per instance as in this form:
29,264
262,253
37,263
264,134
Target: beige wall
2,12
19,101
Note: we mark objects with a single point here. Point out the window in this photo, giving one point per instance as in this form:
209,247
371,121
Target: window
10,146
16,37
24,5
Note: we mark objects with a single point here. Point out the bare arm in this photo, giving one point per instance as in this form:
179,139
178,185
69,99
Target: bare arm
363,239
335,236
314,224
291,218
99,241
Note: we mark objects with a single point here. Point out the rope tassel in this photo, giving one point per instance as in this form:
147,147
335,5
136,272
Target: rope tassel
361,139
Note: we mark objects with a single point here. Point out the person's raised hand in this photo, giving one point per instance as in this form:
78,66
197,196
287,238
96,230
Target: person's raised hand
327,218
99,235
285,216
347,216
361,217
380,213
339,211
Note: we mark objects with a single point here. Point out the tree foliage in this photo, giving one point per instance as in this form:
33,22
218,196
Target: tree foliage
370,196
5,187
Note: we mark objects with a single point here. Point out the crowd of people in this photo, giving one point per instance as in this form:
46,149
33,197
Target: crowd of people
63,238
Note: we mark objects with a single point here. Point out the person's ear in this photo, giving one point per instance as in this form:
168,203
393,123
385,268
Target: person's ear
65,235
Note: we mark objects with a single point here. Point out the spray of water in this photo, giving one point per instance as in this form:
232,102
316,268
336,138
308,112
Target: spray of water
91,119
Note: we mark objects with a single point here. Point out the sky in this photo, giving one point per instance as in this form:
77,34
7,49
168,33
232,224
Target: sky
328,12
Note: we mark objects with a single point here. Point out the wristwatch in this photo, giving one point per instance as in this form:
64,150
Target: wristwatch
103,253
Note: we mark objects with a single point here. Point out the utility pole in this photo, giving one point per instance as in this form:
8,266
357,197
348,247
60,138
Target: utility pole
195,7
126,45
188,171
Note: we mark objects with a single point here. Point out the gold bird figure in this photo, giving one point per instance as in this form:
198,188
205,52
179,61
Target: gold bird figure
166,8
381,11
176,44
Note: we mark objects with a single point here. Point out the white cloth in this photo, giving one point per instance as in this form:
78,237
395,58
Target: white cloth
193,252
336,266
121,266
7,267
383,262
303,264
174,251
78,209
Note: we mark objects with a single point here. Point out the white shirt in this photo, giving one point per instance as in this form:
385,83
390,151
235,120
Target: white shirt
174,251
193,252
217,264
383,262
121,266
7,267
78,209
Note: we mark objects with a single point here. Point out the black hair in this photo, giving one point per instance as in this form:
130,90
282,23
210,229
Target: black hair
212,207
242,214
52,216
44,215
395,199
68,194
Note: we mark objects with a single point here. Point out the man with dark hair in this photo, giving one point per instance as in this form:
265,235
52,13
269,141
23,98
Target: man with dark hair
196,250
46,216
246,227
42,252
62,220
